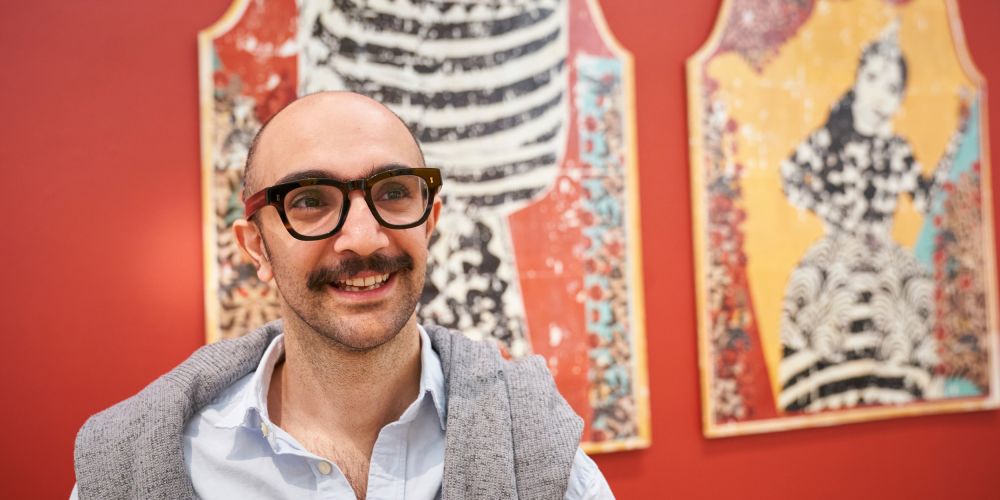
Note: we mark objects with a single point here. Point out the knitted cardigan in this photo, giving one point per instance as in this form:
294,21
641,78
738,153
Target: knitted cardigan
509,434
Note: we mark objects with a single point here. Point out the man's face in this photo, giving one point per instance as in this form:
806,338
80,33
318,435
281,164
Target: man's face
361,286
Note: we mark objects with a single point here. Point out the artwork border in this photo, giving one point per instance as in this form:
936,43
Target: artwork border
636,294
699,223
205,103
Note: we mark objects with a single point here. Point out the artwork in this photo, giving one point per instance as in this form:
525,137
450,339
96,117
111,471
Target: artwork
527,109
842,215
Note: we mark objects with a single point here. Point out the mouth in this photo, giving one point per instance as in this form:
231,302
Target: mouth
362,284
359,278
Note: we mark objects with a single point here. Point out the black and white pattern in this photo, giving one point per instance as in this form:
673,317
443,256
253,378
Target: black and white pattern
853,186
858,310
484,87
856,326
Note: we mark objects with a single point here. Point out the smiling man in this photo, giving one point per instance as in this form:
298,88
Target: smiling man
347,396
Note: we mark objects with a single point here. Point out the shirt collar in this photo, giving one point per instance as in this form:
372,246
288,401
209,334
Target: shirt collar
248,407
249,403
432,376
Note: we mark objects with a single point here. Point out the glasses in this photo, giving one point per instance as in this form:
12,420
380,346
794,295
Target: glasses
313,209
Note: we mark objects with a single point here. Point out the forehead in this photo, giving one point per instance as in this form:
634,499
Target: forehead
345,136
880,63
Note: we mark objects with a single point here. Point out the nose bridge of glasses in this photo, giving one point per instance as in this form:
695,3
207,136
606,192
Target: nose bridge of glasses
359,201
356,185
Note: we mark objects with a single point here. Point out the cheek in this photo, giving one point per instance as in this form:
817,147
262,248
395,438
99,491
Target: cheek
897,99
864,94
289,255
414,242
889,100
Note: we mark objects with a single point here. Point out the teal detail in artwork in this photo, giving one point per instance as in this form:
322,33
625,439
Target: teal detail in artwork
234,208
965,157
216,62
960,387
597,79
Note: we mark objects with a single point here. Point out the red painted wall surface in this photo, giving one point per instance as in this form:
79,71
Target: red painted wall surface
100,258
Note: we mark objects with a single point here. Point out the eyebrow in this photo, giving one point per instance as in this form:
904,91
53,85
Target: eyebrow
314,173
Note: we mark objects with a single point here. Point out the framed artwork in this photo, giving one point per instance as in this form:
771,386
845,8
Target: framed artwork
527,108
842,215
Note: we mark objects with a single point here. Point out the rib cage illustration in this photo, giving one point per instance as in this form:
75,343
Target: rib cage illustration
483,85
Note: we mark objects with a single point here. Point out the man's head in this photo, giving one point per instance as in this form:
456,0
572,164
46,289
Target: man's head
360,286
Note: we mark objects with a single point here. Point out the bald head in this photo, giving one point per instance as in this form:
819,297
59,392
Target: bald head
320,121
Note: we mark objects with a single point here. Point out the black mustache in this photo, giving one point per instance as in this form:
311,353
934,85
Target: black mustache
320,278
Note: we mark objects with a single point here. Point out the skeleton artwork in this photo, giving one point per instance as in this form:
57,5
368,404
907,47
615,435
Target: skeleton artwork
526,108
484,88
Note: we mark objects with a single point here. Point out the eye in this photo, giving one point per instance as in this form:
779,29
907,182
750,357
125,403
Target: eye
306,200
391,192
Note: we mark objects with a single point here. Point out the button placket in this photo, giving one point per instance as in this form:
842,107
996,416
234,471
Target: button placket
387,471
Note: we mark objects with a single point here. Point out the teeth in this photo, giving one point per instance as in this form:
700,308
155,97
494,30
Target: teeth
363,283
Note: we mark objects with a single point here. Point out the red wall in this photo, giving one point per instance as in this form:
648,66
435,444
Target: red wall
100,118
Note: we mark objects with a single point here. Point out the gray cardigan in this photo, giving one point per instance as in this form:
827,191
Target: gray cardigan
509,432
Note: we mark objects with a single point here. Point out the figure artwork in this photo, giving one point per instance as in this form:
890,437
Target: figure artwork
858,313
843,229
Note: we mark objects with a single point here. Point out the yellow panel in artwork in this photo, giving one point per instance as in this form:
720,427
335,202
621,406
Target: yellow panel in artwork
777,108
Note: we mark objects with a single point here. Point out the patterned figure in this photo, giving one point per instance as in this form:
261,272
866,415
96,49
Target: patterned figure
858,309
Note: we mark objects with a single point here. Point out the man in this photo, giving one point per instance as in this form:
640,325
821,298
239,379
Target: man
347,396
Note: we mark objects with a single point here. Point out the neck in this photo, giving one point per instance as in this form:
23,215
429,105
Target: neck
323,393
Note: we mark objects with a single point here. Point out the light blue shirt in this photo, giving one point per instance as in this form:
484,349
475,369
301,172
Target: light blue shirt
233,450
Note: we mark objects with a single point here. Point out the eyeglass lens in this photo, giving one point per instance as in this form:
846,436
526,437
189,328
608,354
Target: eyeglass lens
315,210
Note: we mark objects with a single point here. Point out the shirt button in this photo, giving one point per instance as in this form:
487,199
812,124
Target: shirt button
263,429
324,467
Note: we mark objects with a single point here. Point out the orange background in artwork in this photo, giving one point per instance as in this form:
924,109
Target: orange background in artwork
102,251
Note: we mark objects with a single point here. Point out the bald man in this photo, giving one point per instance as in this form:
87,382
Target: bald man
346,396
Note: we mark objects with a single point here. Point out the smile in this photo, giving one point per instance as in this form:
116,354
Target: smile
362,284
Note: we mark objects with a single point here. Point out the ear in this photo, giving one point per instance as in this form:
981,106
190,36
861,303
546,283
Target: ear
432,220
251,243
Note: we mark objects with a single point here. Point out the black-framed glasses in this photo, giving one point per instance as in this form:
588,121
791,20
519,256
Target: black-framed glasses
313,209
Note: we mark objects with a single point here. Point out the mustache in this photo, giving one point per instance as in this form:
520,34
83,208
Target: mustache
320,278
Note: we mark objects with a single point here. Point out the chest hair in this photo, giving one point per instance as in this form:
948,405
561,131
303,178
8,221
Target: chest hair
351,456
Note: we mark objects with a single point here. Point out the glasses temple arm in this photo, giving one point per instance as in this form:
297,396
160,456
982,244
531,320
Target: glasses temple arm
255,203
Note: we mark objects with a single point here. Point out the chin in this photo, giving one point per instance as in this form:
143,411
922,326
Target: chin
367,336
353,327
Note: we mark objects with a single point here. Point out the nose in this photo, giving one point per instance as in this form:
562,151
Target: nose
361,233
